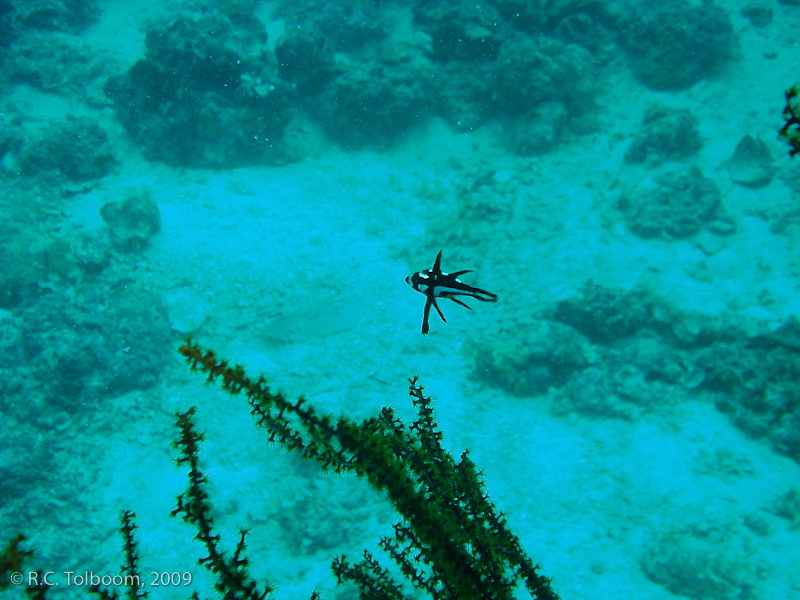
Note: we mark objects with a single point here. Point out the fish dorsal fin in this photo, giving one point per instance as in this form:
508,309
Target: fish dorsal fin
437,265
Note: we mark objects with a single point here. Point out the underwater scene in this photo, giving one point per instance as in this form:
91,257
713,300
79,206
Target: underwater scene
400,299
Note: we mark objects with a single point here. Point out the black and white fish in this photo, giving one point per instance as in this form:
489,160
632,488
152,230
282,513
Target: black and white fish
433,283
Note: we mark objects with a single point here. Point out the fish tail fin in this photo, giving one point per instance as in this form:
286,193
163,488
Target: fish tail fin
484,296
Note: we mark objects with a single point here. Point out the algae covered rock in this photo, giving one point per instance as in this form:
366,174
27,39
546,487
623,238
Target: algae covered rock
465,31
751,165
49,15
75,150
605,315
345,25
677,203
531,71
666,134
306,60
377,96
205,94
79,354
702,561
674,44
532,359
133,221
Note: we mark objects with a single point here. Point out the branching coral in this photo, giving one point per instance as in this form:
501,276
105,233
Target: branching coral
451,542
790,132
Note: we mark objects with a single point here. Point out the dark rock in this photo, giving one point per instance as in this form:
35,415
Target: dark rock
205,95
667,134
77,150
759,15
377,97
533,359
461,30
751,165
346,24
132,222
530,72
306,60
676,204
672,45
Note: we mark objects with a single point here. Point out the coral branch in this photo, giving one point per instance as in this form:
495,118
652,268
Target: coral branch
130,569
452,542
791,114
233,580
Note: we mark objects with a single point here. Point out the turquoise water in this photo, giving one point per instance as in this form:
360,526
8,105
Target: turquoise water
264,176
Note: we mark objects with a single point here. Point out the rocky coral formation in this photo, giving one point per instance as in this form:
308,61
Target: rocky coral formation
462,31
751,164
205,94
306,60
346,25
622,354
676,203
55,65
702,561
532,71
667,134
75,150
48,15
133,221
543,355
458,60
377,97
673,45
78,353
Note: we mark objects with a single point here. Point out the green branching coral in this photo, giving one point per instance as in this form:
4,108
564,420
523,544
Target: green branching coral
790,132
11,573
130,569
233,580
451,542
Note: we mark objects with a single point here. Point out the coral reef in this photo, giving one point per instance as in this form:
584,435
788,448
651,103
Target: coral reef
604,315
462,31
376,96
76,353
673,45
532,71
133,221
758,15
592,25
305,59
456,59
702,561
677,203
642,354
54,15
667,134
76,150
18,16
546,355
205,94
346,25
70,309
54,65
